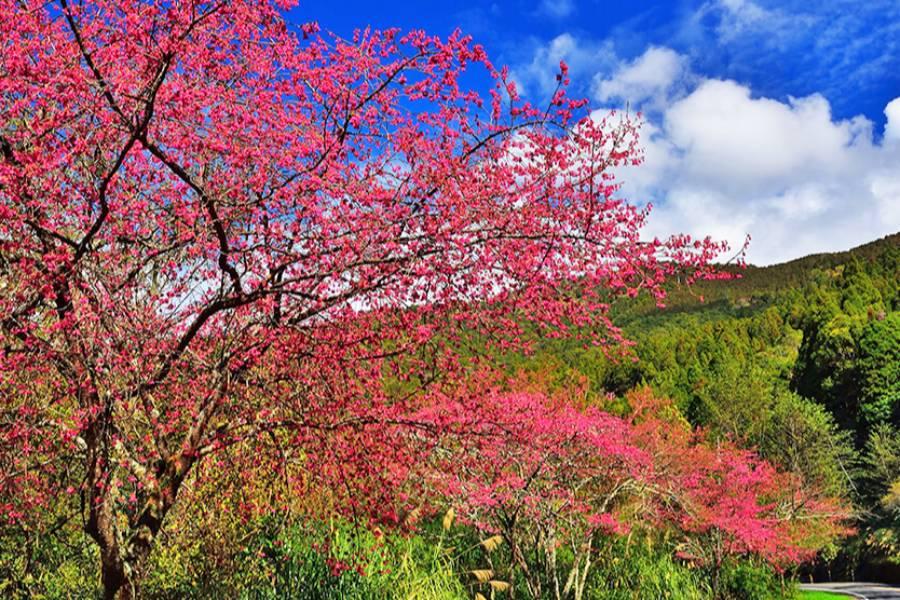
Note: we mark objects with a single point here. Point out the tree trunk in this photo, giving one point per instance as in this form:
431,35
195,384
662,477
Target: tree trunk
123,562
124,550
116,584
581,578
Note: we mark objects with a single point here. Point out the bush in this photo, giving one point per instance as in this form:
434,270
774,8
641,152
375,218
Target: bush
745,580
347,563
627,569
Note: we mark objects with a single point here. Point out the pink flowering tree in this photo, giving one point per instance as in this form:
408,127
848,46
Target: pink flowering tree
726,502
545,475
547,470
215,229
733,504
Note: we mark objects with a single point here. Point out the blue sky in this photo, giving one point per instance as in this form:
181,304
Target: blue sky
763,118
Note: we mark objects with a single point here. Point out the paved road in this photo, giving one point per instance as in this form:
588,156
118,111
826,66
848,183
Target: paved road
865,591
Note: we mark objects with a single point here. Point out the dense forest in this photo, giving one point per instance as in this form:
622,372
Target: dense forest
800,361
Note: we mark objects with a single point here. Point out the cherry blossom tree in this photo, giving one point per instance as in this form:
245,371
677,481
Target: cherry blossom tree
725,502
216,228
554,479
552,471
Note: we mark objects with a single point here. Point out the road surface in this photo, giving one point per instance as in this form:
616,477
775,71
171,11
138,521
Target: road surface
862,590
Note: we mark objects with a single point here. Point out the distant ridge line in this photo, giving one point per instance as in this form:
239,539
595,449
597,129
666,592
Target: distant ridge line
867,250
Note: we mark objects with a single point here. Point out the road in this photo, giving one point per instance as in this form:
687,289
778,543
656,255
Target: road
862,590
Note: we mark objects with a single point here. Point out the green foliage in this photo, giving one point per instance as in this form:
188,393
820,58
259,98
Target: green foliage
851,343
879,370
747,581
881,475
627,569
53,560
317,565
803,437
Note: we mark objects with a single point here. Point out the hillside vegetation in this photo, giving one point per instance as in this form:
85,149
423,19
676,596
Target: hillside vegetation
799,360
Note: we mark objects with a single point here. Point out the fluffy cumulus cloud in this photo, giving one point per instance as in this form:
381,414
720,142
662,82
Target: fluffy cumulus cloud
892,130
721,161
650,78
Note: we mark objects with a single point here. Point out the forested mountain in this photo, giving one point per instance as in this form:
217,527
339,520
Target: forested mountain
799,360
753,286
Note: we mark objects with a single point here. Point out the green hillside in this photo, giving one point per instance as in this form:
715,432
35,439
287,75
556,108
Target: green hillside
799,360
753,287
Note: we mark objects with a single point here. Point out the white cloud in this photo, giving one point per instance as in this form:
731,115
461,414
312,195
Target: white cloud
885,187
892,128
558,9
724,162
742,143
721,162
649,78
